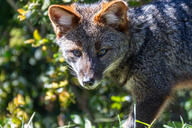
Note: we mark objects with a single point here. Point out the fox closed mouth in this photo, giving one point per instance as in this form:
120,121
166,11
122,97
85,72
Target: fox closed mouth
91,86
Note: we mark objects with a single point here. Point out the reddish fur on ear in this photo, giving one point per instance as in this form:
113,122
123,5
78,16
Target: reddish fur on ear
114,14
63,18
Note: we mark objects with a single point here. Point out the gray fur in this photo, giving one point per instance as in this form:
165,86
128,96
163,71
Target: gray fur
156,51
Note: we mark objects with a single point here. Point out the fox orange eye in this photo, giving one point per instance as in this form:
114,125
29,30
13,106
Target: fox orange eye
76,53
102,52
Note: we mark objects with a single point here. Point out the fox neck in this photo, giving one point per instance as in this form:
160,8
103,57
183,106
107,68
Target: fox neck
119,71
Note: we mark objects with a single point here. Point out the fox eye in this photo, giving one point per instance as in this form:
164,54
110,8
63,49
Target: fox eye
102,52
76,53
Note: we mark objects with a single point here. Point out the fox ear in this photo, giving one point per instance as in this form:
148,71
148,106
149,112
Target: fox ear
63,18
114,14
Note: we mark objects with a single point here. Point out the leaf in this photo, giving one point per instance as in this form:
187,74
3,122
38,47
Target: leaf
61,60
29,41
43,41
63,83
88,124
46,3
166,126
116,98
16,121
44,48
36,35
21,11
117,106
77,119
21,17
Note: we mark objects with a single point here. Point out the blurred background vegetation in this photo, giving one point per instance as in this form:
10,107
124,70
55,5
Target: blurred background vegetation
35,80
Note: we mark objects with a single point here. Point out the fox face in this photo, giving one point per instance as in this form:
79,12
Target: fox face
93,38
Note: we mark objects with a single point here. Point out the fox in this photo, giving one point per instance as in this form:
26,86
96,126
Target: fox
148,49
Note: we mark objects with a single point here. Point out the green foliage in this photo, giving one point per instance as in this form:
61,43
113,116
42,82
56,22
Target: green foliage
178,124
34,77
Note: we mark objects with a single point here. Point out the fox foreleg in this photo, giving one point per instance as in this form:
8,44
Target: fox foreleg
147,110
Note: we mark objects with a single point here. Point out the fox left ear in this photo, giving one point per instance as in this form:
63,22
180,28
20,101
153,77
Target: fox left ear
114,14
63,18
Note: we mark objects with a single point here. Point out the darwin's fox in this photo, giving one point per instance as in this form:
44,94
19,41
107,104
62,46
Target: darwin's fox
148,49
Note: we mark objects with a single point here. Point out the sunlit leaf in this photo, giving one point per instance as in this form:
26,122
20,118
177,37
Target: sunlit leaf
23,115
29,41
2,76
88,124
44,48
116,98
22,11
50,96
46,3
16,121
63,83
11,107
21,17
63,68
61,59
36,35
19,100
43,41
55,85
117,106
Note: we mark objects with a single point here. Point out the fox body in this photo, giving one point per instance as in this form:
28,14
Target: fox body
149,49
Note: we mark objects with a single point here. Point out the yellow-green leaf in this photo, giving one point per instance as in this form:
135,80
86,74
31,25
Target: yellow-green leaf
22,11
44,41
29,41
36,35
21,17
16,121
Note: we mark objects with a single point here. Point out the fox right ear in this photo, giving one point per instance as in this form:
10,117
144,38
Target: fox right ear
114,14
63,18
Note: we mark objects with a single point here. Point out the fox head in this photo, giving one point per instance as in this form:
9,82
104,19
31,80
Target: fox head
93,38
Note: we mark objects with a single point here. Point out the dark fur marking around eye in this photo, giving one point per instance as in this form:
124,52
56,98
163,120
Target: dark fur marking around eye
79,44
97,46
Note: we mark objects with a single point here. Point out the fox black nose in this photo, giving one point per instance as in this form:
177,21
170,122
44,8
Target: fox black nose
88,82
